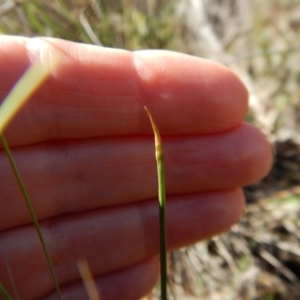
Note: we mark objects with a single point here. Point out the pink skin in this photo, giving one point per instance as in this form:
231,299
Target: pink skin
85,149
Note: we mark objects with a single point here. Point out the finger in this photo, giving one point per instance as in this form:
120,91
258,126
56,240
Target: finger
100,92
71,177
111,239
127,284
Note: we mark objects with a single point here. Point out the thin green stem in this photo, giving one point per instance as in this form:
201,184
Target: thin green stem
32,213
159,154
4,293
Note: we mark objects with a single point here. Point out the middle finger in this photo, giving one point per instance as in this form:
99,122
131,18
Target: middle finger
73,176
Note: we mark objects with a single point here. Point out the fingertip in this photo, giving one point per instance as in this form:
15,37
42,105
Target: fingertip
188,93
209,214
257,162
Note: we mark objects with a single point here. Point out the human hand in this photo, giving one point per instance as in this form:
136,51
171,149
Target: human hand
85,149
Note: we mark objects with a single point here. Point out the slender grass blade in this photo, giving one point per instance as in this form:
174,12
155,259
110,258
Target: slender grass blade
4,293
31,211
24,88
89,282
159,154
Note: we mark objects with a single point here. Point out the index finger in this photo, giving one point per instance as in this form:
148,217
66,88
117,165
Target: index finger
101,92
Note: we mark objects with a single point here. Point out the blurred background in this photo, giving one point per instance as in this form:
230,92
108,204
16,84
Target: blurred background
260,40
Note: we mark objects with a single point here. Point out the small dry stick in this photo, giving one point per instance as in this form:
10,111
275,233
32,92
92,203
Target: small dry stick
159,154
88,279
